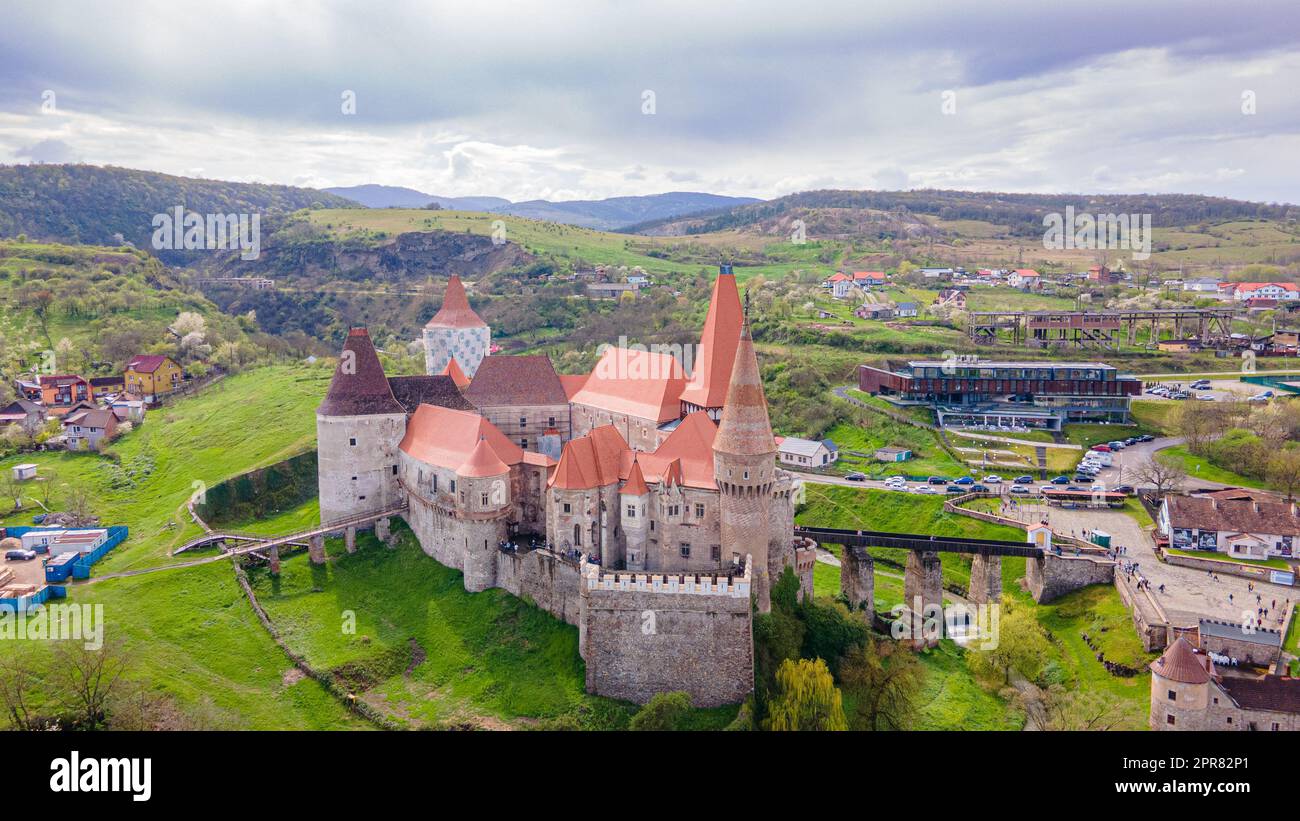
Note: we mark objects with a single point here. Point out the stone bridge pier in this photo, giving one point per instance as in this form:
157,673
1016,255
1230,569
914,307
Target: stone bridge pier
858,579
985,578
923,580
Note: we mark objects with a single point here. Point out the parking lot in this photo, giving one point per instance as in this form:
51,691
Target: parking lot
32,572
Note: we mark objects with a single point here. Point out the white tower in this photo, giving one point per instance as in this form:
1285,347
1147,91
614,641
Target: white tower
455,332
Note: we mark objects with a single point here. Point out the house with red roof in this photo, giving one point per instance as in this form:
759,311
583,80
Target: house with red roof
1280,291
150,376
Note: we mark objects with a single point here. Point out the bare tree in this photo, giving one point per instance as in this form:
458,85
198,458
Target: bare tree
1073,710
88,679
17,679
47,480
12,488
1162,473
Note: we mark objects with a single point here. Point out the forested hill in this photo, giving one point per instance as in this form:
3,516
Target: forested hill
90,204
1021,213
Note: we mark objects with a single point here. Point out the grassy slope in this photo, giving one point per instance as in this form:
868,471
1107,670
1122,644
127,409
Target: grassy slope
242,422
1200,467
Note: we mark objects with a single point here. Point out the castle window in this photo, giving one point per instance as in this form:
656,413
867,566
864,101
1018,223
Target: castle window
523,422
1229,719
551,422
577,535
1173,696
568,508
1276,726
523,443
394,470
699,510
631,511
686,550
746,474
354,478
715,552
453,485
483,499
352,442
1169,719
435,483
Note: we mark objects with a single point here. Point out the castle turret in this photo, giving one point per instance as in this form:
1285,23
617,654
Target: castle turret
358,429
744,468
1180,688
455,332
483,508
634,499
711,372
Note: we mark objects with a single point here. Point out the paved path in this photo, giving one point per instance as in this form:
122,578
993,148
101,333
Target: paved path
1189,594
1128,459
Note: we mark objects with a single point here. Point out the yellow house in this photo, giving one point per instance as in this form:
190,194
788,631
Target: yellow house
150,376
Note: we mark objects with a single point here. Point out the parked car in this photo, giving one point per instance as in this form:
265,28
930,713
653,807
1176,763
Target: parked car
965,480
1023,480
1127,490
1146,437
856,477
1072,487
1201,384
1061,480
938,480
1117,445
20,555
1098,488
926,489
954,489
979,489
1046,488
1082,477
1019,489
1101,448
992,479
1205,397
896,479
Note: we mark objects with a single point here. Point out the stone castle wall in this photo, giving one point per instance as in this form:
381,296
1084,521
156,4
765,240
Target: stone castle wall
642,634
1053,576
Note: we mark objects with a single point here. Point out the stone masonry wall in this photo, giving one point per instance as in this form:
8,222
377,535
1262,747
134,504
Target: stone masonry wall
1053,576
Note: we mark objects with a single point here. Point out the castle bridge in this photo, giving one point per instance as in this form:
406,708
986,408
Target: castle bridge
1048,571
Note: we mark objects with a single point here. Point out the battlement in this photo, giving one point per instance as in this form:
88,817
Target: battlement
700,584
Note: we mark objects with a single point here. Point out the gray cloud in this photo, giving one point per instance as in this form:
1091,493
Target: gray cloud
751,98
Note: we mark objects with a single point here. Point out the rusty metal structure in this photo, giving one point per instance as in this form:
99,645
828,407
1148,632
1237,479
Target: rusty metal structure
1212,327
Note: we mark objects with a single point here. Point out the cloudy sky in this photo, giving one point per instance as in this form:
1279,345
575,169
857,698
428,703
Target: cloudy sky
568,100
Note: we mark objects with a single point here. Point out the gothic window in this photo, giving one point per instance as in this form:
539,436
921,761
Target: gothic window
577,535
686,550
483,499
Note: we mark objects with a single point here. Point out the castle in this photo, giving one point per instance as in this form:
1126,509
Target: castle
1189,693
640,504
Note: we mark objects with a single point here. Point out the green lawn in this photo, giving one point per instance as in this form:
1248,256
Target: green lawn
876,431
1201,467
193,640
950,698
430,654
242,422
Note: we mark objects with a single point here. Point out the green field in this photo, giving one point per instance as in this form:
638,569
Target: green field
249,420
1200,467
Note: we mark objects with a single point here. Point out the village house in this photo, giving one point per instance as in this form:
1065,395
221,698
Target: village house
1025,279
806,452
870,279
104,386
1103,275
25,413
150,376
908,309
55,392
1281,291
1202,286
951,297
874,311
1242,524
86,429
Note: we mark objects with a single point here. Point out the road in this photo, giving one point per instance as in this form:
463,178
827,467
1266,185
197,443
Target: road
1122,472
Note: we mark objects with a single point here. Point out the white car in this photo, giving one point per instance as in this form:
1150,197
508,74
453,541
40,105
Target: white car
1098,488
992,479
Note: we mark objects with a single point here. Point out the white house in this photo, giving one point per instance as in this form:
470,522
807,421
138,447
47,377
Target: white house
1239,523
1281,291
1202,286
806,452
1024,278
908,309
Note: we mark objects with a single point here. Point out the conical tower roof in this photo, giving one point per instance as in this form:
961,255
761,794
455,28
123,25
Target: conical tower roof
1179,663
482,462
359,386
455,311
635,484
712,374
744,428
457,375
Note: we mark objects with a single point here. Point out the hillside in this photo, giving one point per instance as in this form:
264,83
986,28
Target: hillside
106,205
617,213
396,196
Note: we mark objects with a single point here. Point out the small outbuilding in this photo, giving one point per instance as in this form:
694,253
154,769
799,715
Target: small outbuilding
24,472
893,454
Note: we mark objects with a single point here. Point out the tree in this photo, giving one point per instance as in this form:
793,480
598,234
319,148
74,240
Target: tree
1021,647
884,678
17,679
806,698
87,679
1284,471
1163,473
12,488
1074,710
665,711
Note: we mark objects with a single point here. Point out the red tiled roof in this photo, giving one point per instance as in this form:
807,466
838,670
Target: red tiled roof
516,380
572,383
744,427
447,438
359,387
869,275
413,391
686,456
600,458
1255,286
1233,515
1180,663
708,385
838,277
146,363
1279,694
457,375
644,384
483,462
455,311
635,484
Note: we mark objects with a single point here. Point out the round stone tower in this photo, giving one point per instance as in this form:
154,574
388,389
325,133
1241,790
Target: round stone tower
483,509
744,468
358,429
1180,688
455,332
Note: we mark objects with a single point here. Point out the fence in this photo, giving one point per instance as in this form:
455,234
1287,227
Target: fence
1290,384
25,603
81,567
